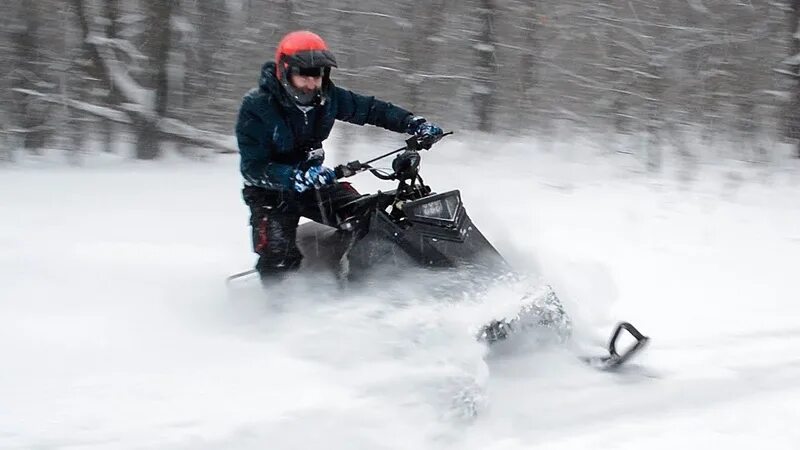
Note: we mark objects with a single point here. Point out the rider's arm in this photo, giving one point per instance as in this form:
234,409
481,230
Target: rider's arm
360,109
255,149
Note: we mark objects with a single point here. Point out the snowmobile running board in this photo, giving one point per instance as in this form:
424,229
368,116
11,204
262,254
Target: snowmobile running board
614,358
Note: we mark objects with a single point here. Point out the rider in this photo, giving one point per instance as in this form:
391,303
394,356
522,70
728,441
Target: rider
280,129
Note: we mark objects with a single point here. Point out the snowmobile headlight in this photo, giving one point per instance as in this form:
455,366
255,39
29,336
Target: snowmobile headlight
444,208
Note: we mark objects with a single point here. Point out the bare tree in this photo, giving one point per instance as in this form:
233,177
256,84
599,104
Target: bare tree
100,86
486,69
203,63
30,114
153,78
114,97
794,111
527,81
7,62
290,16
170,70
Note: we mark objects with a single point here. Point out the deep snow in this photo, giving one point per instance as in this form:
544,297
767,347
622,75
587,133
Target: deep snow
117,330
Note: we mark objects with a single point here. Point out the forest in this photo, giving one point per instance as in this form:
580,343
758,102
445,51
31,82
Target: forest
679,75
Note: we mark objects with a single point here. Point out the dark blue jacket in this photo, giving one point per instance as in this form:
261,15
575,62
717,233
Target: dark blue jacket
274,134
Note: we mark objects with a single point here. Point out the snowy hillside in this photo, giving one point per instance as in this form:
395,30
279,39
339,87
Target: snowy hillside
117,330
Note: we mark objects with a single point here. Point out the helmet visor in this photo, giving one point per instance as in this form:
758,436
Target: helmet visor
309,59
307,71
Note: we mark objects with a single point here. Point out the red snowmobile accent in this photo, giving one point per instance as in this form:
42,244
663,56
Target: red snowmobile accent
263,237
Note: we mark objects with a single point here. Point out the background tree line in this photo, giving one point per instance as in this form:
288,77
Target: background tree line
173,71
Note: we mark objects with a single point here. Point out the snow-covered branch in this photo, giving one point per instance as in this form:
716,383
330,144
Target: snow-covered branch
171,127
122,45
133,91
221,142
792,60
118,73
698,6
362,13
782,95
95,110
786,72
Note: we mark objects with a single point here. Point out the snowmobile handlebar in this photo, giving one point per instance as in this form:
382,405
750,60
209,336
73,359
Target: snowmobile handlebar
414,143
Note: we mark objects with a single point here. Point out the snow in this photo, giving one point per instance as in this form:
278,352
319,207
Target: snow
117,330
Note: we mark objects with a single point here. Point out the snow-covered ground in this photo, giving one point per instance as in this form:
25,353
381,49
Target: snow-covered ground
117,330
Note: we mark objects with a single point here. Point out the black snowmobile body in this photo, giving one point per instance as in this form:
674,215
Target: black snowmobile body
400,228
408,226
412,226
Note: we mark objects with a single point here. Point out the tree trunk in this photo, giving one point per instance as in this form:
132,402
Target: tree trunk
484,90
794,111
655,116
527,117
73,127
347,57
155,46
419,49
202,59
106,93
411,52
290,16
619,108
211,39
113,98
31,114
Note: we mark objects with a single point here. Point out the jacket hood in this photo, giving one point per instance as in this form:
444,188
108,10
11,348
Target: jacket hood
268,82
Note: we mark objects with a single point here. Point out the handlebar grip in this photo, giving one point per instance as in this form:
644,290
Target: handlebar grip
424,143
340,171
349,169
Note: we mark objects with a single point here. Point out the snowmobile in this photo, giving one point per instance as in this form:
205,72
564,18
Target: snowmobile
413,226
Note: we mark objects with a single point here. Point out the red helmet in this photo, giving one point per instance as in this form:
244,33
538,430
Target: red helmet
305,50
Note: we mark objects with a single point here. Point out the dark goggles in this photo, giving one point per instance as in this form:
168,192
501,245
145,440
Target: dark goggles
307,71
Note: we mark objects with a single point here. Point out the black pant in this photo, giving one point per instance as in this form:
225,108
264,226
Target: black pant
274,216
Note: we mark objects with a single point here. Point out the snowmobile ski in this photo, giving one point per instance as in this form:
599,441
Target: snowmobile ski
614,358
